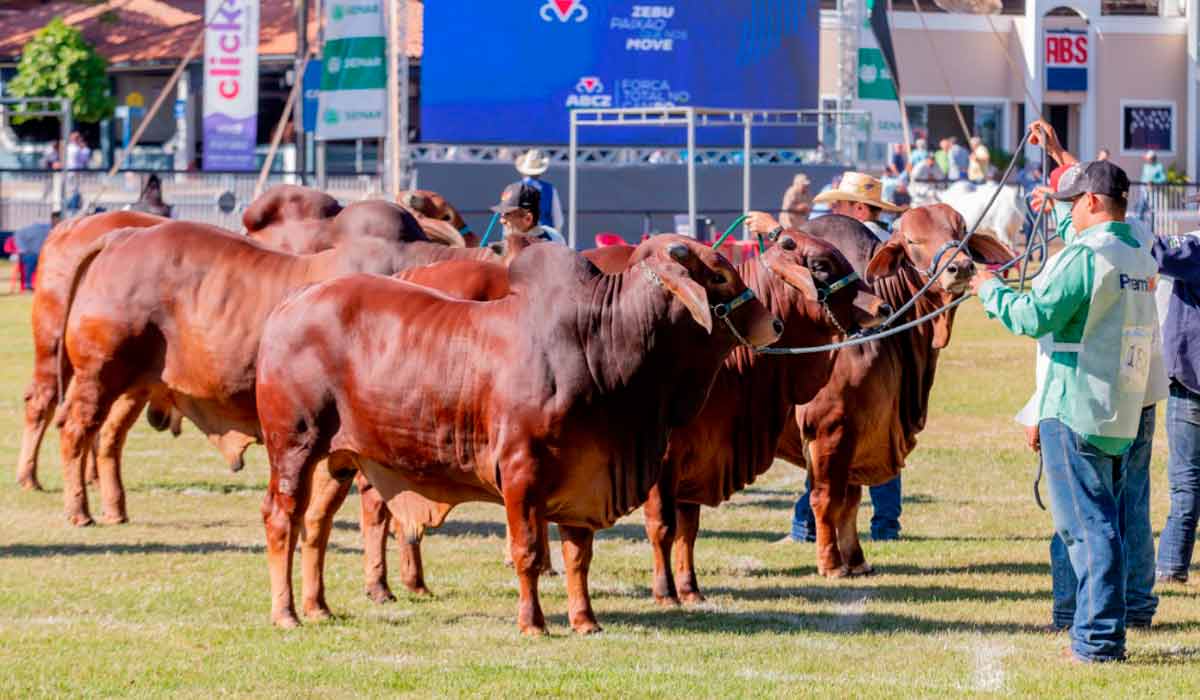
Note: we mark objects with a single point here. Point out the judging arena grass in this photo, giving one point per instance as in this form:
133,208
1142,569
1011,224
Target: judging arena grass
176,602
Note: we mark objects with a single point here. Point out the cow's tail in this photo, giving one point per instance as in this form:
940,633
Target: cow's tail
85,262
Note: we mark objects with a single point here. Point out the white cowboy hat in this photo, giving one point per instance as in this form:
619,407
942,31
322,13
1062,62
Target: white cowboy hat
858,187
532,163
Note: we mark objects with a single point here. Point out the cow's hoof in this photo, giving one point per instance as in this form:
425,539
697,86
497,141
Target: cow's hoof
81,520
286,621
419,590
533,631
863,569
317,613
379,593
667,601
587,627
840,572
29,483
692,597
115,519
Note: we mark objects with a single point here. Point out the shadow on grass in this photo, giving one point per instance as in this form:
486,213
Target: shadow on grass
898,593
789,622
197,487
34,551
620,531
1015,568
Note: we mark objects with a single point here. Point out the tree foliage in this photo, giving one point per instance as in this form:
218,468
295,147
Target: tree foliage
59,62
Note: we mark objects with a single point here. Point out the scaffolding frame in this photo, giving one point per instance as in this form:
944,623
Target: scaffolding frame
690,118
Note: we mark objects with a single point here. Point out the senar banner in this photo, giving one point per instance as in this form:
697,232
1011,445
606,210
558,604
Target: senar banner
353,99
230,84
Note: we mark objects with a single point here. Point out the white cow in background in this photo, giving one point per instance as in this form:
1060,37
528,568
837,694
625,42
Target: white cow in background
1003,220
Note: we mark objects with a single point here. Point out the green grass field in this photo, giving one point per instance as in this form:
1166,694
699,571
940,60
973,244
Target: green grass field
176,602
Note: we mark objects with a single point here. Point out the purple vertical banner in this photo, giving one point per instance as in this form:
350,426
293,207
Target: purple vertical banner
231,84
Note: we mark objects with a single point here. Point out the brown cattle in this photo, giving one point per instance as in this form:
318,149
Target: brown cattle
432,205
172,314
733,439
59,258
284,204
863,423
555,400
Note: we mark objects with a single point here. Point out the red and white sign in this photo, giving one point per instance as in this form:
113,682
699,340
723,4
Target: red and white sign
1066,48
1066,57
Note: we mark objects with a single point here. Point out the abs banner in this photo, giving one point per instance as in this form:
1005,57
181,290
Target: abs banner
230,84
1066,60
353,99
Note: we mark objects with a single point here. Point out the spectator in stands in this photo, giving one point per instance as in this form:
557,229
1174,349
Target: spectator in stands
78,152
151,200
518,209
797,202
980,161
28,241
1152,169
899,161
532,165
942,155
50,156
960,160
1103,154
919,153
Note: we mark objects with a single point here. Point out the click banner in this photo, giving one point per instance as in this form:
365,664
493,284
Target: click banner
231,84
353,100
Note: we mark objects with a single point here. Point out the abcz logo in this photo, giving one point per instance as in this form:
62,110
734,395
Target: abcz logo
588,93
563,10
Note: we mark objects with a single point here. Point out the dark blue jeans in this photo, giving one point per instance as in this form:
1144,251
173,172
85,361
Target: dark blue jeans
1085,485
885,522
1183,478
28,265
1136,534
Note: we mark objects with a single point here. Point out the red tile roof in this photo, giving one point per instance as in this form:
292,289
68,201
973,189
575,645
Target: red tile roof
145,31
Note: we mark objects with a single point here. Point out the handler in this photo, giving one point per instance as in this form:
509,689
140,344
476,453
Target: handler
1097,303
518,210
858,196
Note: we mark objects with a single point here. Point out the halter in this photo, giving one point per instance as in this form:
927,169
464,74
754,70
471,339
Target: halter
937,257
824,291
720,311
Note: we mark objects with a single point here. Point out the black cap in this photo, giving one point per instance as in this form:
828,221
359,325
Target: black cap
1097,177
519,196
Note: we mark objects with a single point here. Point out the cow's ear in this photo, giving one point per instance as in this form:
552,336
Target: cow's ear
677,281
886,261
988,250
797,277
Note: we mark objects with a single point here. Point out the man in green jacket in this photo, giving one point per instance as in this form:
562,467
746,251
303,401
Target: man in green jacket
1096,303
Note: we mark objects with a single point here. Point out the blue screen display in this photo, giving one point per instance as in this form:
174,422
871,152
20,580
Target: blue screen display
508,71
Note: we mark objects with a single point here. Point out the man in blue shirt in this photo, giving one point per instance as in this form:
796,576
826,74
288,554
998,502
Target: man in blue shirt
532,165
1179,264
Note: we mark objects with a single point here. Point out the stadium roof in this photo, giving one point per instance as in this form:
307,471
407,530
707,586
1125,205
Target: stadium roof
139,32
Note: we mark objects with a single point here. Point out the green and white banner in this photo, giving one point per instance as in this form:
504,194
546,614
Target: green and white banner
353,99
877,92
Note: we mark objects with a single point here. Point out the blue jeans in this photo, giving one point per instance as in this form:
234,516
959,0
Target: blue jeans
28,265
1085,485
1136,534
885,522
1183,477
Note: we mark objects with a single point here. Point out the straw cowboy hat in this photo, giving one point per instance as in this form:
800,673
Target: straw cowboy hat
532,163
858,187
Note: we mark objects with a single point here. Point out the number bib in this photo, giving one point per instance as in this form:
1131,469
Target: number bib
1135,358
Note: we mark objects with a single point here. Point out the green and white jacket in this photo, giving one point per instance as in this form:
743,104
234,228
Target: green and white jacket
1094,311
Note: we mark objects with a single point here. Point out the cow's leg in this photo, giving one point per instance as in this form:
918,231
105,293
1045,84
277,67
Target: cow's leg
577,559
84,410
412,570
526,525
330,484
659,511
373,522
847,533
121,417
827,498
40,400
547,564
687,523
